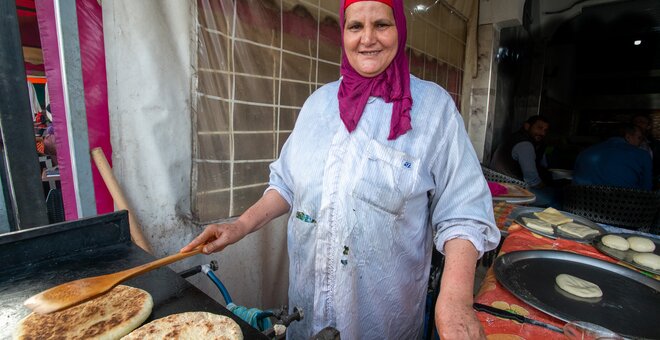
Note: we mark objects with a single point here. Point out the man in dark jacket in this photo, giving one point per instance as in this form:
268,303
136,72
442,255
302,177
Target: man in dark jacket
617,162
523,156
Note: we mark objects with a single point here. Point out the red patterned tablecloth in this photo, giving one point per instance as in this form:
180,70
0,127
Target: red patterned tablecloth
502,211
493,294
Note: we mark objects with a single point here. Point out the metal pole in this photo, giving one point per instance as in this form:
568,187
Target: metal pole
66,20
26,195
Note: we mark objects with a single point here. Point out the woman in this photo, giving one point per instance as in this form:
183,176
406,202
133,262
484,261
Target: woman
377,169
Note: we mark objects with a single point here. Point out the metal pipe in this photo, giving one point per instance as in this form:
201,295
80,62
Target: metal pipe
197,269
66,22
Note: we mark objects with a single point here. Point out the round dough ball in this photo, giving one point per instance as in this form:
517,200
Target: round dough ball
641,244
577,286
615,242
648,260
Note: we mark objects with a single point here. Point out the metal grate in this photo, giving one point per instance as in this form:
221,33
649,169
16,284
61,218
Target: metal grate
494,176
622,207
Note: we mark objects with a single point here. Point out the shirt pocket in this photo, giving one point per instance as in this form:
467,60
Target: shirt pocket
385,178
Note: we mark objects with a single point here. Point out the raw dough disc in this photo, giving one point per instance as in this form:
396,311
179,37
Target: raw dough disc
648,260
641,244
615,242
578,286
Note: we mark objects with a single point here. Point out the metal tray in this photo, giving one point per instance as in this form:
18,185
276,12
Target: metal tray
629,305
626,256
528,212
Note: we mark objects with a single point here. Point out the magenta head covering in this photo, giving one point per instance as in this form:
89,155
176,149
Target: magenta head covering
392,85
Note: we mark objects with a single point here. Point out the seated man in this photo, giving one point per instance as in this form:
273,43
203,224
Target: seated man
617,162
523,157
644,123
649,144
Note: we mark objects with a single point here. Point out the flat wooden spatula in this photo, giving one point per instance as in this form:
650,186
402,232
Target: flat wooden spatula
78,291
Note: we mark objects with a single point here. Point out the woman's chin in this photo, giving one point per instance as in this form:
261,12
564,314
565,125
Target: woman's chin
370,71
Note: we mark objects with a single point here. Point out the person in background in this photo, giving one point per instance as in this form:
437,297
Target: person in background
643,122
40,123
617,162
522,156
377,171
649,144
50,146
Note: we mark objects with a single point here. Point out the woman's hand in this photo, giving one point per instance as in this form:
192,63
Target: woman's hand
457,320
454,317
217,236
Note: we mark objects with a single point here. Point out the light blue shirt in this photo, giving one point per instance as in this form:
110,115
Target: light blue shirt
366,211
525,154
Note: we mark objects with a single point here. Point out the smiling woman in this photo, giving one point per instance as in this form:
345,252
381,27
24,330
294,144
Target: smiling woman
373,182
370,37
373,62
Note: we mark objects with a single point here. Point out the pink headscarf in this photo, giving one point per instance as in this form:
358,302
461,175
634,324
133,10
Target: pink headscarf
392,85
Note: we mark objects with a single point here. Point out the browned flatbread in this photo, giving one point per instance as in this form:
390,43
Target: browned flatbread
109,316
190,325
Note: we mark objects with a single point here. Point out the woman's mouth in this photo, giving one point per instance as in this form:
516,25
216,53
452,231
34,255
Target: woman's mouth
369,53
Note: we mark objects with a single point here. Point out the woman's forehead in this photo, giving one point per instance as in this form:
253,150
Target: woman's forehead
350,2
368,8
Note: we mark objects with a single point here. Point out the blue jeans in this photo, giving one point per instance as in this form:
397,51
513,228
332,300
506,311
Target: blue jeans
546,197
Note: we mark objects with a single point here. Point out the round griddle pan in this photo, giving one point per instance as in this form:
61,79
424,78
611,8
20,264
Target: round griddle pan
630,301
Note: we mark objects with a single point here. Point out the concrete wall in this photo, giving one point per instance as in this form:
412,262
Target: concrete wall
494,15
502,13
151,61
484,87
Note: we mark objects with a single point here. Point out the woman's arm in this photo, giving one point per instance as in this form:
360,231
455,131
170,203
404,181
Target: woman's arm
454,316
218,236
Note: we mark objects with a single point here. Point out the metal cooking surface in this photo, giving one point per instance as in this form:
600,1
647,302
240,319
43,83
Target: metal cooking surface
630,301
626,256
18,281
528,212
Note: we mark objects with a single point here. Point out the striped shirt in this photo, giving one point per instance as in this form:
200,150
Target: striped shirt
365,211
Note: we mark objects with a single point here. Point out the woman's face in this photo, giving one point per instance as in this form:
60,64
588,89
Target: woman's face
370,37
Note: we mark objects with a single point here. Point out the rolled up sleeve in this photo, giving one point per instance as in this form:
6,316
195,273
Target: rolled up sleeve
280,177
461,206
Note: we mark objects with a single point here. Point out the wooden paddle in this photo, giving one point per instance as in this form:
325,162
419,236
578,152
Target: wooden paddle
78,291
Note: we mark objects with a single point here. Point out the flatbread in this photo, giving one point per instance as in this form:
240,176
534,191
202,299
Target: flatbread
538,225
648,260
189,325
553,216
577,230
577,286
615,242
641,244
110,316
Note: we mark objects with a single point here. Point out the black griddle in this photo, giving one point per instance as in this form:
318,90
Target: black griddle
630,301
40,258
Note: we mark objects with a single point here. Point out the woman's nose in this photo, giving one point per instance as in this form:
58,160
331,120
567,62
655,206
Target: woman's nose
368,36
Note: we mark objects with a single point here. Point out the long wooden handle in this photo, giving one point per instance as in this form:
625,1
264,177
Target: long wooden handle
129,273
118,196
